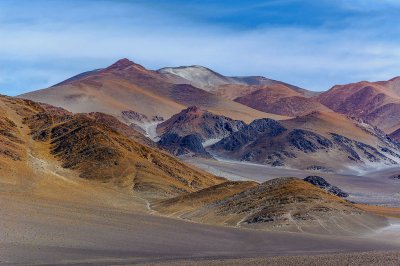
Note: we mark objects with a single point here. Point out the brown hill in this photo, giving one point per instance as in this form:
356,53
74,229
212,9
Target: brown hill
378,103
91,150
192,201
126,86
10,142
128,131
279,204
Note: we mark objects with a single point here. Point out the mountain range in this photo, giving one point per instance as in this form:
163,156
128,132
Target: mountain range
195,110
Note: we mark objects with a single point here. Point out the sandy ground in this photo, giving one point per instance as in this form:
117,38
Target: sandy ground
36,231
375,187
353,259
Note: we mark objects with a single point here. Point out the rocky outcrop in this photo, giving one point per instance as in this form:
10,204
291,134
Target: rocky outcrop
397,176
306,143
322,183
265,127
357,150
206,125
185,132
177,145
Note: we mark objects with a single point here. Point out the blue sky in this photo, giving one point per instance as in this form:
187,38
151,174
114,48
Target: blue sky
312,44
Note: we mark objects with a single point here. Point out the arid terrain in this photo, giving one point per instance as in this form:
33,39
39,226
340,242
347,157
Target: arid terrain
125,165
175,132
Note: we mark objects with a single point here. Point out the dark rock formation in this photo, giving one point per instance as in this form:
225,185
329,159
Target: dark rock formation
308,141
354,148
397,176
265,127
322,183
177,145
319,168
206,125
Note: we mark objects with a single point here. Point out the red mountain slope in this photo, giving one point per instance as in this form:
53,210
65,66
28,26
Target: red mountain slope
378,103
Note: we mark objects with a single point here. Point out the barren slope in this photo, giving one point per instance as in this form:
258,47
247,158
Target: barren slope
377,103
96,152
276,99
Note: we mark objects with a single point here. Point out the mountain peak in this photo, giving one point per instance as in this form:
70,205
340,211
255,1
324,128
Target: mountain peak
121,64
